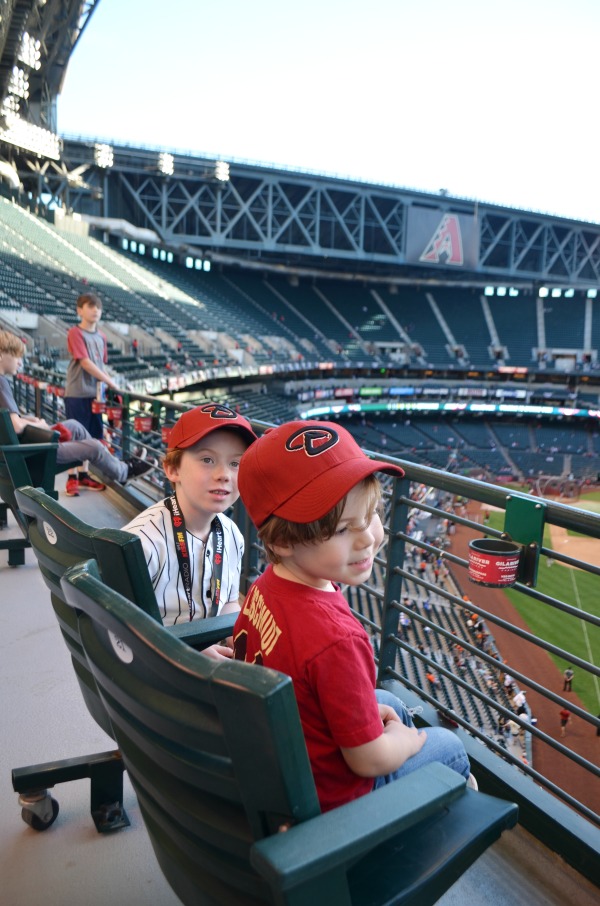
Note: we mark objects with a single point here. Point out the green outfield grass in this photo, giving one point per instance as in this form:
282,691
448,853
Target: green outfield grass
574,587
590,502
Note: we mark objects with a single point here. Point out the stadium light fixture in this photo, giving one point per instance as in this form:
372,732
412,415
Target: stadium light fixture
543,292
18,132
500,290
488,291
10,104
222,171
18,83
513,291
166,163
569,293
556,293
104,156
592,293
30,51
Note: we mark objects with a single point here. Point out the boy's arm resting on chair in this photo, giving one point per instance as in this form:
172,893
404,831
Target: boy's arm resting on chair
389,751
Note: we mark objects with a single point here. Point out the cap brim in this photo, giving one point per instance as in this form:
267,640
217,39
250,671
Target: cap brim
195,438
322,493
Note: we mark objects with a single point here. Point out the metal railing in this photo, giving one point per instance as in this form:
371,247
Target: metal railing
418,620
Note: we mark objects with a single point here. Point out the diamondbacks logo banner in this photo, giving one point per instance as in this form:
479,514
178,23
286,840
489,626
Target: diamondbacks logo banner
438,238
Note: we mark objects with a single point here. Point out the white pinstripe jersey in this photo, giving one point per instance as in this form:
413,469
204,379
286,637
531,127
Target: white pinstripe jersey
155,530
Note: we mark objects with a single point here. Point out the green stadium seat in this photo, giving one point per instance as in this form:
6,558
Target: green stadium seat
60,540
216,755
31,462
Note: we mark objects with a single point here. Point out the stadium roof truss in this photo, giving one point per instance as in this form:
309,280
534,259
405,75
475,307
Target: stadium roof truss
280,218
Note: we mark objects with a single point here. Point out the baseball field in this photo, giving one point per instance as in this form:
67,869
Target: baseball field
572,586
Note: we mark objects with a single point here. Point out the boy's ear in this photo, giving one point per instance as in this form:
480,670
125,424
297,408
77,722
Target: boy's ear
171,471
281,550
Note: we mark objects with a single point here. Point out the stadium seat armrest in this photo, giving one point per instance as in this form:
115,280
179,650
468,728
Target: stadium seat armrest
344,834
200,634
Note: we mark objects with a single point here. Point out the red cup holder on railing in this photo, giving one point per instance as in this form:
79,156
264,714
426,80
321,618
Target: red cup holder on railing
98,407
494,562
143,423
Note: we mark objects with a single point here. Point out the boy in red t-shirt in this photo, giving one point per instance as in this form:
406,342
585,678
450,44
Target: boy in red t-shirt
313,495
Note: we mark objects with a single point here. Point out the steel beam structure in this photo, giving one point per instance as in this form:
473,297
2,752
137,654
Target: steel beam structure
280,218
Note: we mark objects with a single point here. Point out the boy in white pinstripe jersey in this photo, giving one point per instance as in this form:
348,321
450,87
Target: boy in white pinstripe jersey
193,551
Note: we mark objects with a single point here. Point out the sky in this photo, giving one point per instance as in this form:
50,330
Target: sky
494,100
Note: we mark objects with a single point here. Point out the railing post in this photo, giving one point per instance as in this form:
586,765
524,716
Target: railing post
126,428
250,560
393,582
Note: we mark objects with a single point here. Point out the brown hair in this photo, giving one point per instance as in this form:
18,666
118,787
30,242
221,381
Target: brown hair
89,299
11,344
279,531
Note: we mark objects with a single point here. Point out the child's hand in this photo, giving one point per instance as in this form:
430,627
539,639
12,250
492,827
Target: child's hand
387,714
218,652
409,740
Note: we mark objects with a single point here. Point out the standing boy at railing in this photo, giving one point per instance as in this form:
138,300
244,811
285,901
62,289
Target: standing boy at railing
193,551
313,495
85,376
76,444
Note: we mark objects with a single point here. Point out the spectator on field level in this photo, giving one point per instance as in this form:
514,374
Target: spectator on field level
513,728
405,624
314,498
519,699
568,679
565,718
432,680
193,550
85,381
76,443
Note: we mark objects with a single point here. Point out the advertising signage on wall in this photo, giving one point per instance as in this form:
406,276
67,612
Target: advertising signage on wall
441,407
370,391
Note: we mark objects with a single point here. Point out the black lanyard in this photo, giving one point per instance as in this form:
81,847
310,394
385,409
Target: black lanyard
183,557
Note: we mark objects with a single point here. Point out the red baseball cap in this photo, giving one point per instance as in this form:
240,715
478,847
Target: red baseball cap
301,469
196,423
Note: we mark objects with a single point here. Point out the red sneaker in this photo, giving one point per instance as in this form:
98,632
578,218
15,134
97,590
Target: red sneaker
87,482
72,488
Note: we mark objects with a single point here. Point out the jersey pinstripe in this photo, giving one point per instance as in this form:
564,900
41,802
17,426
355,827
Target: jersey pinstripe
155,530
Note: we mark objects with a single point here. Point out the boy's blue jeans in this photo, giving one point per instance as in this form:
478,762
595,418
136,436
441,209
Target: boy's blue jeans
442,745
83,446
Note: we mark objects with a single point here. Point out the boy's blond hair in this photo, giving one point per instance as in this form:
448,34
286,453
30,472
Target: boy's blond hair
11,344
276,531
